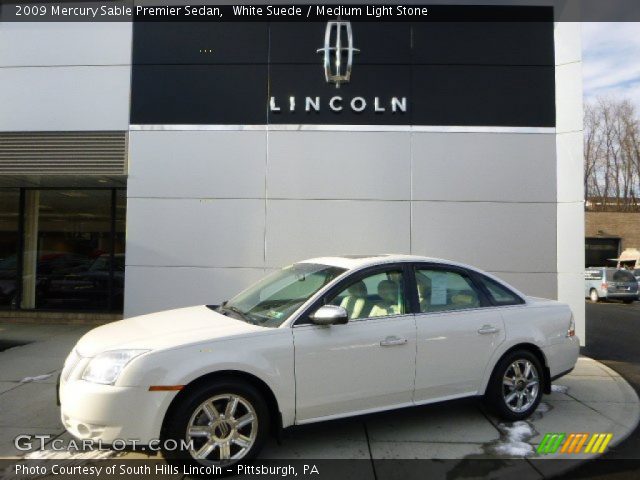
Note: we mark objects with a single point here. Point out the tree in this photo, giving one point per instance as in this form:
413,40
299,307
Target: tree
611,156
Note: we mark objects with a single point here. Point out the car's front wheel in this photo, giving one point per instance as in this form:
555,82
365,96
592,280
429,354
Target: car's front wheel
593,295
515,388
223,423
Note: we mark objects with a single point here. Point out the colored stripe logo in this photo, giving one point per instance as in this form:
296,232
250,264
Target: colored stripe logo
574,443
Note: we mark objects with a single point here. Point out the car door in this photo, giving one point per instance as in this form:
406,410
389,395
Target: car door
366,364
458,329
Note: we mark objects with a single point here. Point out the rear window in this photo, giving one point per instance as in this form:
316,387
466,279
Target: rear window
593,275
499,294
623,276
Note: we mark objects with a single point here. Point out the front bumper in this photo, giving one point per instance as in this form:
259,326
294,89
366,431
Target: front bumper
107,413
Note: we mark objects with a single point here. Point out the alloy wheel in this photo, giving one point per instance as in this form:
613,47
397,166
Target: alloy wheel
520,386
223,428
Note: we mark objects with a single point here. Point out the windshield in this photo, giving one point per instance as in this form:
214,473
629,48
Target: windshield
272,300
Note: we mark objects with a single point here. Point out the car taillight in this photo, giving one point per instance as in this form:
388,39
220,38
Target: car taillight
604,286
571,332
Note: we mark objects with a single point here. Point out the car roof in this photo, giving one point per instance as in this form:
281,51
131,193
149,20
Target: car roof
351,262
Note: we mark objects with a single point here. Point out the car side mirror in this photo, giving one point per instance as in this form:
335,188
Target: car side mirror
329,315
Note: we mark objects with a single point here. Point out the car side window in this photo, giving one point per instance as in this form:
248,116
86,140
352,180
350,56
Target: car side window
378,295
443,290
499,294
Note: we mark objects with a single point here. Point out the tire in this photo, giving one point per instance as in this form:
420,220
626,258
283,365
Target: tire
520,399
217,430
593,295
628,301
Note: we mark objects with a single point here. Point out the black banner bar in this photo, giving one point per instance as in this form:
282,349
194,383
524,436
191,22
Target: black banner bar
261,11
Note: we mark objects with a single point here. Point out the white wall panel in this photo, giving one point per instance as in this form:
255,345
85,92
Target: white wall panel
64,98
569,109
151,289
499,237
65,43
570,216
571,238
570,161
197,164
198,233
568,42
484,166
544,285
299,229
338,165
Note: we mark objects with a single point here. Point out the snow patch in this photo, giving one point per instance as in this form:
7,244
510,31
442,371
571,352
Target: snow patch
513,441
39,378
559,388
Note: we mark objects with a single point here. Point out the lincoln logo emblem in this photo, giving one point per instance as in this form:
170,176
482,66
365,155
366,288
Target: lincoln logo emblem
338,52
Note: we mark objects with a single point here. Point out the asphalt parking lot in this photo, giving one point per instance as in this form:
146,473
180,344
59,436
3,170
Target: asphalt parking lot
613,336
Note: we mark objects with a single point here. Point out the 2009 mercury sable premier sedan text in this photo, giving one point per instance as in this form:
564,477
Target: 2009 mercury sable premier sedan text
320,339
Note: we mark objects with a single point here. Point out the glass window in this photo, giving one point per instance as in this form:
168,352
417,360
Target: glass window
499,294
442,290
9,212
73,240
593,275
623,276
272,300
73,254
378,295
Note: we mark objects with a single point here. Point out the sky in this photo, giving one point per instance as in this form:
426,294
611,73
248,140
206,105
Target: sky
611,60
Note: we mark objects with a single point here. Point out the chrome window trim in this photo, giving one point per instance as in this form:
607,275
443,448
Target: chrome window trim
357,320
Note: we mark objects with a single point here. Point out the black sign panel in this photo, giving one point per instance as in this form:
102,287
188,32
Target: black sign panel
401,73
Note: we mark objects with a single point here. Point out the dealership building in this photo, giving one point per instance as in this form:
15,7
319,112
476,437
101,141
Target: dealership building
152,165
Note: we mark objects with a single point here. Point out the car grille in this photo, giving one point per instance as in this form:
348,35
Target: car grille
70,364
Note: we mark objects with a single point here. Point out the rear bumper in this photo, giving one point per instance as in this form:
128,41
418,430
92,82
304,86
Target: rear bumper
622,295
562,357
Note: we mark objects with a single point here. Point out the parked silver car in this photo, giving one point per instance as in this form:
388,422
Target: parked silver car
602,283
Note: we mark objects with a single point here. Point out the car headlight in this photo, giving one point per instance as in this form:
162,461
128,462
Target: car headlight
106,367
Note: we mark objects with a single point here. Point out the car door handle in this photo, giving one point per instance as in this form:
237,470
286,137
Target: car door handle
488,330
393,341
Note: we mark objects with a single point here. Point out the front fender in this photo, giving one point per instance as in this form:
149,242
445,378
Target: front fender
267,356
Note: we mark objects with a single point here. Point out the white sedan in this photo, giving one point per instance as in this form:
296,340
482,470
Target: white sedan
321,339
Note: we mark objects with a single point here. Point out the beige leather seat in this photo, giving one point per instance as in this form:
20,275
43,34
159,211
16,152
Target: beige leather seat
356,300
390,300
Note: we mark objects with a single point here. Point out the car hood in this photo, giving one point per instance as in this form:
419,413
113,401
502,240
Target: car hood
168,329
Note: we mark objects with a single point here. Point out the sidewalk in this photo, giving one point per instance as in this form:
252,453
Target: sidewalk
593,399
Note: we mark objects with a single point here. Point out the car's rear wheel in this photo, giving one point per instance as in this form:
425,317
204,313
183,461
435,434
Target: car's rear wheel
224,423
515,388
593,295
